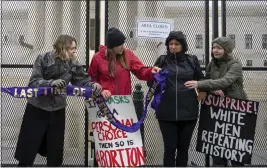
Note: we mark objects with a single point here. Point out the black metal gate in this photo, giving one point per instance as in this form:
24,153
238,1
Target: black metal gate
190,17
27,29
243,21
246,23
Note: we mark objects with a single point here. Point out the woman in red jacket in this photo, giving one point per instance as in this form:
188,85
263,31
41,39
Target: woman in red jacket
111,66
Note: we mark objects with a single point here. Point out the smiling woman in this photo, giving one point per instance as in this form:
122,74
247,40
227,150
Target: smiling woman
224,78
43,125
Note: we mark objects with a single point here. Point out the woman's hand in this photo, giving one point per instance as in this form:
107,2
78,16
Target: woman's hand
155,69
219,92
191,84
106,94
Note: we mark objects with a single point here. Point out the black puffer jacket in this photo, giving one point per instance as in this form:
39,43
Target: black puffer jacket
179,102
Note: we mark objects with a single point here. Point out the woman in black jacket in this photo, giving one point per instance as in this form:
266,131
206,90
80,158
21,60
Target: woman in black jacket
178,110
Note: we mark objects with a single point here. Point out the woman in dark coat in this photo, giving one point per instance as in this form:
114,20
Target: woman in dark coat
178,110
43,125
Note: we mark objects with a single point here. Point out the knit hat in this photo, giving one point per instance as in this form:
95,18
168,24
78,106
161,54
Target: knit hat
114,38
226,42
179,36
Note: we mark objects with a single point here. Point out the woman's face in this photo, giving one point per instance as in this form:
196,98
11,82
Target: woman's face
118,49
72,50
217,51
175,46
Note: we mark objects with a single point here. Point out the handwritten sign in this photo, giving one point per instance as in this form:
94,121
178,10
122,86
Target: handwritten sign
153,29
227,127
114,147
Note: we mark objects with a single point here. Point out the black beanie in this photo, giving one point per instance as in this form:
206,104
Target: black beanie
114,37
180,37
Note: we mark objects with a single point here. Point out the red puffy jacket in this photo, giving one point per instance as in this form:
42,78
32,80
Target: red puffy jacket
121,83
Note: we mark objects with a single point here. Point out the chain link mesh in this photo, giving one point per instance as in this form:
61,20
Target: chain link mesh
28,29
246,23
188,17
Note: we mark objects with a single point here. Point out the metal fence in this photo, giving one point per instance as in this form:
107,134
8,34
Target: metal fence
246,23
30,27
243,21
187,16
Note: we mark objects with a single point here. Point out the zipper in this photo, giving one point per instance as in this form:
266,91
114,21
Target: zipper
176,106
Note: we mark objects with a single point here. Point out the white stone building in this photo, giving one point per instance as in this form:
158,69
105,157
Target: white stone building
40,22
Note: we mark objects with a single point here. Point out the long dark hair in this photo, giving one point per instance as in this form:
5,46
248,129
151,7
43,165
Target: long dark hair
112,62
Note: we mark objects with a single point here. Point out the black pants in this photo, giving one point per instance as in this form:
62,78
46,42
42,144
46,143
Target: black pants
41,132
176,135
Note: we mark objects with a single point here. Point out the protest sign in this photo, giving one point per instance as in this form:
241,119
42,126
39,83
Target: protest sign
227,127
114,147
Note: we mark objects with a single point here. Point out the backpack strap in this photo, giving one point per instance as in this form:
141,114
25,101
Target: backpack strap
161,61
195,65
191,61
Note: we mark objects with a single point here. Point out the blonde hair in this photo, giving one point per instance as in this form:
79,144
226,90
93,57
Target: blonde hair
61,45
112,62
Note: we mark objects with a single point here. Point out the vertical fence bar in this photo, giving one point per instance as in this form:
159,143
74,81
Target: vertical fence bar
97,43
207,45
87,53
215,31
207,33
97,25
106,18
223,12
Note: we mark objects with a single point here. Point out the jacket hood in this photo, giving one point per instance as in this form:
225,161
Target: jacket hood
228,45
102,50
180,37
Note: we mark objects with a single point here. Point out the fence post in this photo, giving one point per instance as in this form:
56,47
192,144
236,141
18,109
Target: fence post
138,100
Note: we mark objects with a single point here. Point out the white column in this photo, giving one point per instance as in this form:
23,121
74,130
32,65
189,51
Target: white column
141,15
147,48
53,22
160,14
113,13
147,52
81,35
122,16
36,31
71,18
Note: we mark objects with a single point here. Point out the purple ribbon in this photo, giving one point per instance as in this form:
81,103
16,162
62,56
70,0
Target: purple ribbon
27,92
156,88
159,80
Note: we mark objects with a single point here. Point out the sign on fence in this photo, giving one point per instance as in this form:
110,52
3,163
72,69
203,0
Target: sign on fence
153,29
227,127
113,146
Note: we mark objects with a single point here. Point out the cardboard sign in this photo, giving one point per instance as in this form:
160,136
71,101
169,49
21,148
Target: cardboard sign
227,128
114,147
153,29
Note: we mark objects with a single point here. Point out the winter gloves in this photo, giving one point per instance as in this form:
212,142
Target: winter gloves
97,88
58,83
